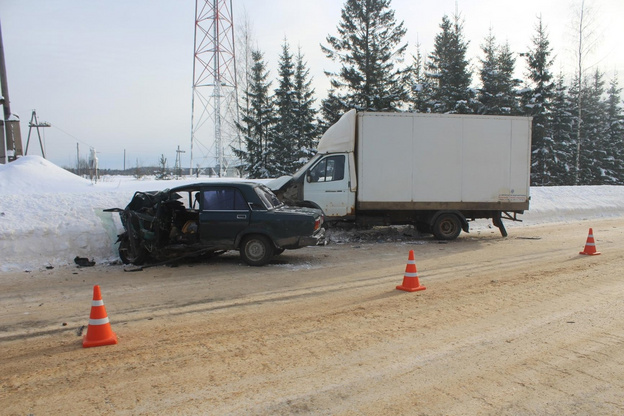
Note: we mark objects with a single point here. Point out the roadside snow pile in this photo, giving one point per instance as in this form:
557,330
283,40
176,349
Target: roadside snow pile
567,203
49,216
34,175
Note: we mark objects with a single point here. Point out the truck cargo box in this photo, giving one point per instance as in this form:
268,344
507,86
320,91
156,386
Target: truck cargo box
442,161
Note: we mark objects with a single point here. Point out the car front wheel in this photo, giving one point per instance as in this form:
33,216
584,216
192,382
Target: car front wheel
130,256
256,250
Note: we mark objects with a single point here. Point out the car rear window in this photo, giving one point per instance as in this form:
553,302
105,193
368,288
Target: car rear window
269,199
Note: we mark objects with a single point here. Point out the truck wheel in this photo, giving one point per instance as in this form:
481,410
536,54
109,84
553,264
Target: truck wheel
128,255
447,227
256,250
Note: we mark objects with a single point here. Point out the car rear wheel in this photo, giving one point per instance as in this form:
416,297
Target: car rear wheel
256,250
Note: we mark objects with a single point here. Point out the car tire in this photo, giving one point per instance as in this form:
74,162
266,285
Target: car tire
128,255
256,250
447,227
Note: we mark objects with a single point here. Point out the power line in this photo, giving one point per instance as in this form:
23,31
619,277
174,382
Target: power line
72,136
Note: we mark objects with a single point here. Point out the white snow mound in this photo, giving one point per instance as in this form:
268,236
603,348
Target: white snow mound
34,174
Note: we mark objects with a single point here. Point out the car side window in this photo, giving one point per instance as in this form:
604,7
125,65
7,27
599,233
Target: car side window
329,169
224,199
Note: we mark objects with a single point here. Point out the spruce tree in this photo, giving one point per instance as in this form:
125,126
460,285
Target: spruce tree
589,152
368,47
257,121
499,88
488,93
283,147
508,101
332,108
421,89
573,94
448,70
537,99
305,124
594,167
615,130
563,137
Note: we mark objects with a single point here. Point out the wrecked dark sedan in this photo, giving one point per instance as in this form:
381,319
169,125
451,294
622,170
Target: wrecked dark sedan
205,219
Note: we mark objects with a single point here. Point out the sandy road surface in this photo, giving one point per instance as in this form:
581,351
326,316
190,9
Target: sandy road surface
516,326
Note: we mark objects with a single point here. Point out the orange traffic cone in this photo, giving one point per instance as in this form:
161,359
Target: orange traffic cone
410,279
590,245
99,331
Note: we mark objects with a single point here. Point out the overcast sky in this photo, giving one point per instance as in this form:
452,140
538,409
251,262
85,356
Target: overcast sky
117,74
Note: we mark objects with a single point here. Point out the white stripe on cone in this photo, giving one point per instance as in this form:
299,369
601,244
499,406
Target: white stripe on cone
102,321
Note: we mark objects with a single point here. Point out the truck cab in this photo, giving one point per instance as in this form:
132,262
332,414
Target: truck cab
327,183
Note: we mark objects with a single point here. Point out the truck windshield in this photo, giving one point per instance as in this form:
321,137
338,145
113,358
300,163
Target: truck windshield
268,198
304,169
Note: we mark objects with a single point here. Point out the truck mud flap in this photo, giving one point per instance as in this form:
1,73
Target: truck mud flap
497,220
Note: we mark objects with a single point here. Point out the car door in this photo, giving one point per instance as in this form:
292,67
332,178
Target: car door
224,213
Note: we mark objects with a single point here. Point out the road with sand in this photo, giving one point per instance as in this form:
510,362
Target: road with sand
506,326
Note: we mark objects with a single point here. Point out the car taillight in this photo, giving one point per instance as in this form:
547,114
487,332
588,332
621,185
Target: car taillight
317,223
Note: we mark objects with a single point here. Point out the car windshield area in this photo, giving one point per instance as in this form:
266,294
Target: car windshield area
189,198
268,198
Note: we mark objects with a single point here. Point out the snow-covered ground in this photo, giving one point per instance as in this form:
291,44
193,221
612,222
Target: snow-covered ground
49,216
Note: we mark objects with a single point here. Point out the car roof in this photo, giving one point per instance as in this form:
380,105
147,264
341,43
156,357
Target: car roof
234,184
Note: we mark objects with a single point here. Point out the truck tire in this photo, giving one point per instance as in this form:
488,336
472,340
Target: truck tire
130,256
256,250
446,227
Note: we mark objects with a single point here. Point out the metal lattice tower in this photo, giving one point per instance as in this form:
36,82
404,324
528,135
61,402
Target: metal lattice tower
214,104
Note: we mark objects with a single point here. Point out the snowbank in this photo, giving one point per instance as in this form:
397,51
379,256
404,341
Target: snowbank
48,216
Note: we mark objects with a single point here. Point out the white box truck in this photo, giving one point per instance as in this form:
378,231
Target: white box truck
436,171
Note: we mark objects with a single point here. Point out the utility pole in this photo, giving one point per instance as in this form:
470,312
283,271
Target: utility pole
215,96
78,159
36,124
177,169
10,136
